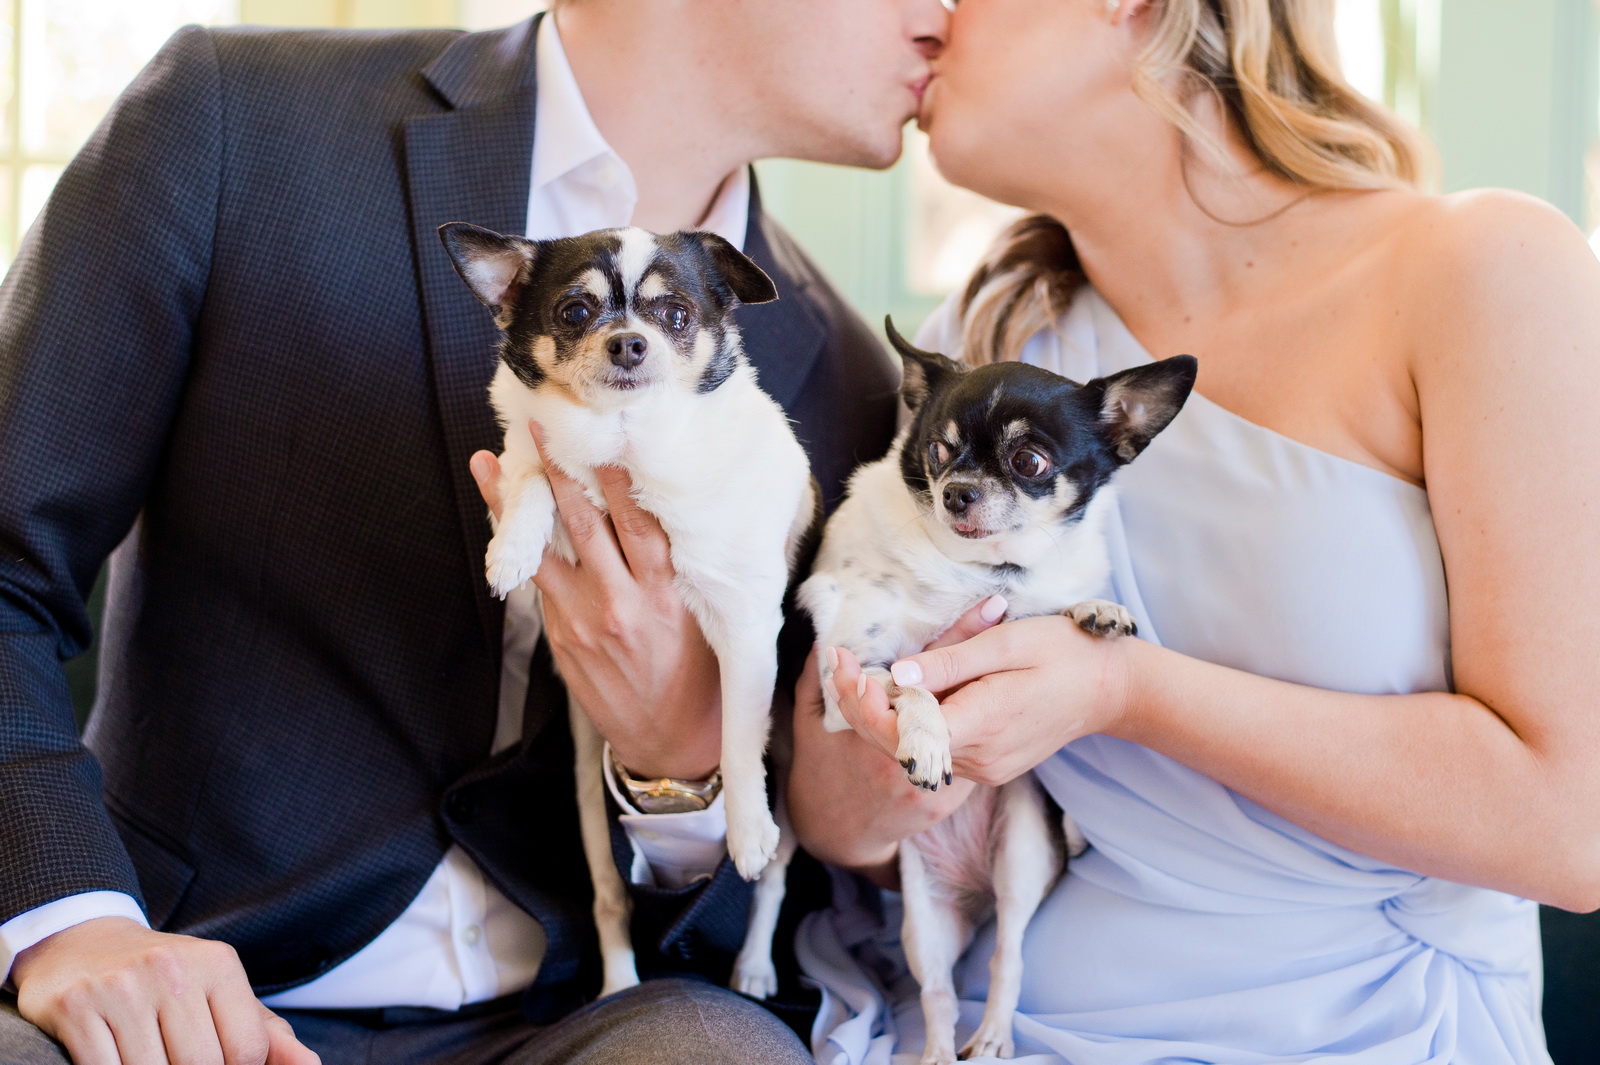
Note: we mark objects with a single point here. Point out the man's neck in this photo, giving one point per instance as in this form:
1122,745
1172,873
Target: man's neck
661,102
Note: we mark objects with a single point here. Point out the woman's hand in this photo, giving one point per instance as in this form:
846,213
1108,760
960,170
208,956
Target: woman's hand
626,646
1013,695
849,802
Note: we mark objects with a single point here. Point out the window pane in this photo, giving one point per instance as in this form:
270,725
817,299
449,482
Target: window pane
37,181
1359,24
79,54
8,239
8,75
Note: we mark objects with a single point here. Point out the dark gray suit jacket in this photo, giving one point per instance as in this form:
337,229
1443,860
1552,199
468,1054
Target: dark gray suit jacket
234,346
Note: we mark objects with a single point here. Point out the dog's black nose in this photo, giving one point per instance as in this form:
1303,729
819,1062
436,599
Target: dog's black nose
958,497
627,350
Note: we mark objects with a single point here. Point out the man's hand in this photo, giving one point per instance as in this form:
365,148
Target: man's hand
625,644
851,803
116,993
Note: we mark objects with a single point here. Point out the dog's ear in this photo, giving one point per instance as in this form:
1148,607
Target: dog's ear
921,371
1136,404
492,264
748,282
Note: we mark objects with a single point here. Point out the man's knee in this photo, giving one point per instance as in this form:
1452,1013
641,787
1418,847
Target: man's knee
23,1044
667,1022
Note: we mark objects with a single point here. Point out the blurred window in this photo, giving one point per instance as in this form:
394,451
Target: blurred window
62,63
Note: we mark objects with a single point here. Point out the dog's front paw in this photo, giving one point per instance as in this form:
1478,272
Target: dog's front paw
924,750
1101,618
512,561
989,1042
752,841
754,976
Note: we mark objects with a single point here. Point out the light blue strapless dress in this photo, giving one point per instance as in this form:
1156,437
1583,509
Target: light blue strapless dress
1201,927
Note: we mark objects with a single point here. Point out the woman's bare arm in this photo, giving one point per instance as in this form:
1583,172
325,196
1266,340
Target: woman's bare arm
1497,784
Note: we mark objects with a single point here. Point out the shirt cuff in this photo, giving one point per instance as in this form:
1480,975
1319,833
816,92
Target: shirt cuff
671,850
26,929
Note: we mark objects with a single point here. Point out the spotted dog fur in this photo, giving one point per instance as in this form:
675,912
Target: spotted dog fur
622,345
999,484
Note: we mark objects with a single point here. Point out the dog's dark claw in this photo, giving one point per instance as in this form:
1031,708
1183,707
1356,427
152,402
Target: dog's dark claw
948,779
910,764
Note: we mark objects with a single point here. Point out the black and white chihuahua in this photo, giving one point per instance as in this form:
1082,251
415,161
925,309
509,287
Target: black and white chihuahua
622,345
997,486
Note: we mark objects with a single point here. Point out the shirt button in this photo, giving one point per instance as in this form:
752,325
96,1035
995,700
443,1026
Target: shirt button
471,935
609,174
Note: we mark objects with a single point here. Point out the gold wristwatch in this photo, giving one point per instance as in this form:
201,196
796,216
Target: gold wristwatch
665,795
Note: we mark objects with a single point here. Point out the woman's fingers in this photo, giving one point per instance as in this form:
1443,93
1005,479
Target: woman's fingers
864,703
939,669
986,615
485,467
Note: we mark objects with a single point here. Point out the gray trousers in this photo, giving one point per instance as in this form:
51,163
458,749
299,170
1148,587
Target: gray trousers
661,1022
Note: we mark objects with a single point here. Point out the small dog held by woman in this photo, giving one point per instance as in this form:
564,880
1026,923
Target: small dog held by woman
622,345
999,485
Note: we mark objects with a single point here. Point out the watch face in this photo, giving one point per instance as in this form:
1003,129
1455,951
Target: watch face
668,804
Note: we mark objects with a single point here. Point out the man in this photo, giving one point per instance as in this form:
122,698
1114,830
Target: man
336,774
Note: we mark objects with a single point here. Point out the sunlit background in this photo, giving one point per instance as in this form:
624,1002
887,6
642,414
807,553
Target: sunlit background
1507,89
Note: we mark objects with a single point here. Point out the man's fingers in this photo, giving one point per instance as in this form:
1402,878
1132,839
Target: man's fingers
187,1027
485,467
240,1023
88,1040
644,544
282,1046
138,1034
986,615
941,668
865,704
587,525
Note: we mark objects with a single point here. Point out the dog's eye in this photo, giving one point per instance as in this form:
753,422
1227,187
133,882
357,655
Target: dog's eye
677,318
575,313
938,454
1029,463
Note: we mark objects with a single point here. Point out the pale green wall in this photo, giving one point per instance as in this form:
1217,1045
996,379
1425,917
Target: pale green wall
854,224
1516,96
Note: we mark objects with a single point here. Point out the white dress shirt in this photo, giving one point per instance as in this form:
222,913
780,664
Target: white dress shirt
461,940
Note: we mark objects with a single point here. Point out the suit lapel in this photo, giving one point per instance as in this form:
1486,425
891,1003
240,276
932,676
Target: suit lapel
781,339
471,163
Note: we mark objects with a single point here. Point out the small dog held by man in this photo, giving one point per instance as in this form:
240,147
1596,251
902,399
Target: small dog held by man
621,344
998,485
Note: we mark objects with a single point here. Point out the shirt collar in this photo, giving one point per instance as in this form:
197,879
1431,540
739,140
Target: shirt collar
568,146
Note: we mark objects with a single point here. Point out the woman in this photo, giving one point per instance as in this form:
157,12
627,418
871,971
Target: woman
1319,793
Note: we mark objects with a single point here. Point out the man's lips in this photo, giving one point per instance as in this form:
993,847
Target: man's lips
920,86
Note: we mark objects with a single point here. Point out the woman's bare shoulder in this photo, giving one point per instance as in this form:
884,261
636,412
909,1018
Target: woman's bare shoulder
1481,269
1493,244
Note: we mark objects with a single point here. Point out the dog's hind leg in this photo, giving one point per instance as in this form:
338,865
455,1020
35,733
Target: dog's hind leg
746,646
935,931
612,905
1027,861
753,971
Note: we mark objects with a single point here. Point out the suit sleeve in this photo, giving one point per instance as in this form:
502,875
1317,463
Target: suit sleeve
96,320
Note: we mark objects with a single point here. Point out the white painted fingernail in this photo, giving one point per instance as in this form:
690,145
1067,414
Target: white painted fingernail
832,655
993,608
907,674
861,686
831,689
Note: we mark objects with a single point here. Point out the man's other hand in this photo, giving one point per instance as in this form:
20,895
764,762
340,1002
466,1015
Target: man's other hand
623,641
116,993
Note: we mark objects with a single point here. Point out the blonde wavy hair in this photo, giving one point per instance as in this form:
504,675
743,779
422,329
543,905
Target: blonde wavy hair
1274,65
